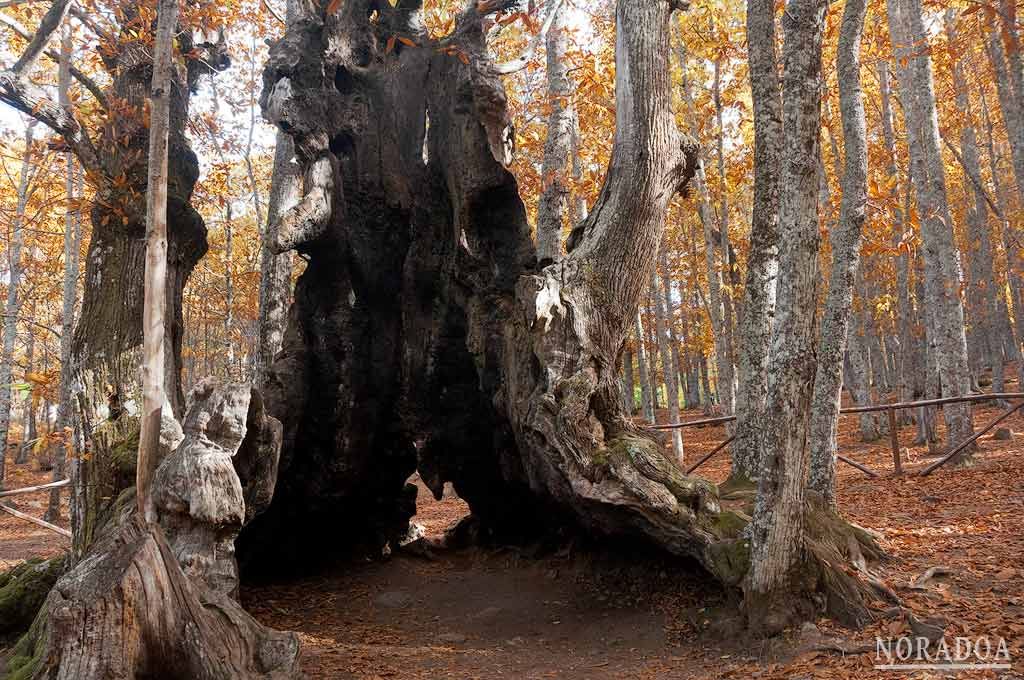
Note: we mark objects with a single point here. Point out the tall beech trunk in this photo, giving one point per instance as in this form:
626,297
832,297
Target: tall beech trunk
72,248
12,306
726,369
846,242
29,432
668,365
647,405
942,264
555,194
754,333
981,275
790,573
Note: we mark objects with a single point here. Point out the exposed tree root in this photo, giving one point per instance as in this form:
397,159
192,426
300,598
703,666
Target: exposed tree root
833,580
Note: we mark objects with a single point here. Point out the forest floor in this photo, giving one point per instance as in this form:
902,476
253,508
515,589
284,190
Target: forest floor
586,613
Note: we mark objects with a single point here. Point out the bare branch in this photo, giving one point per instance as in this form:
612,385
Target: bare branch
50,23
520,62
32,100
85,80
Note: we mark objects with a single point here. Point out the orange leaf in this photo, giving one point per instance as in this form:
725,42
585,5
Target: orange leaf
390,46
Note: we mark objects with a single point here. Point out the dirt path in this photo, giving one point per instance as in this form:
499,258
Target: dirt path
499,615
480,614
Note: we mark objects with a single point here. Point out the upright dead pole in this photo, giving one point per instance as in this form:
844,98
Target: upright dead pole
155,301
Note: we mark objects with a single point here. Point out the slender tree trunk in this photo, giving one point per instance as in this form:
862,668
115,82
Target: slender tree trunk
12,306
942,265
154,397
629,371
555,193
29,431
668,367
774,589
276,269
726,370
981,292
72,245
846,242
754,332
859,356
670,320
646,394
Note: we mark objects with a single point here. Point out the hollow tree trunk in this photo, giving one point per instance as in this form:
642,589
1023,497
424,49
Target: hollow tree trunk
423,317
755,327
846,242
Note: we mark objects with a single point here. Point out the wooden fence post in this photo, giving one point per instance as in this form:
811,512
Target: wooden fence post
894,438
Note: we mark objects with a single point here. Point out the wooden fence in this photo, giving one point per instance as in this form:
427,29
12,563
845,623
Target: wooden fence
893,429
29,518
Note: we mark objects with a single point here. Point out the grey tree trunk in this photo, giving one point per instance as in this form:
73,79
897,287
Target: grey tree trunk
276,268
846,242
555,194
29,431
668,366
646,393
981,275
942,265
629,373
12,306
726,369
72,248
792,572
755,327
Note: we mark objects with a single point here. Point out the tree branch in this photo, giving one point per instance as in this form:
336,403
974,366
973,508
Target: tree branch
50,23
520,62
32,100
976,181
85,80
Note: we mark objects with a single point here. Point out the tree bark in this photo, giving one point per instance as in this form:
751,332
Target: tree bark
72,247
668,367
154,395
159,599
787,566
846,243
555,193
755,327
12,307
942,265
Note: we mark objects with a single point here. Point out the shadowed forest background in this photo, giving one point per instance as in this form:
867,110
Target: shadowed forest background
491,253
